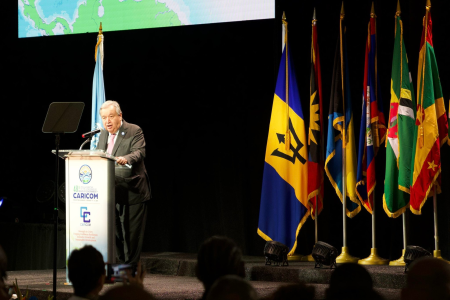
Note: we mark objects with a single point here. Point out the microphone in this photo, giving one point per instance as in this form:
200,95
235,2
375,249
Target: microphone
90,133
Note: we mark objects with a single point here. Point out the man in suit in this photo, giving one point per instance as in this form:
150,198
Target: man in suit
126,142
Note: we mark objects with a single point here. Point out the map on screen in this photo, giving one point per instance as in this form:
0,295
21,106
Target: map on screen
57,17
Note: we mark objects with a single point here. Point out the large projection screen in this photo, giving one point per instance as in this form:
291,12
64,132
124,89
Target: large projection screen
51,17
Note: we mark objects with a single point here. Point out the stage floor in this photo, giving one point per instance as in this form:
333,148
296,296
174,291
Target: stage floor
172,276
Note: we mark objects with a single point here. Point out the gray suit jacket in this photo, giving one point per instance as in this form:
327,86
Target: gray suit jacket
132,186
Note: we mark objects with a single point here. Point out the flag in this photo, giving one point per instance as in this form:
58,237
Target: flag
373,129
98,89
402,115
340,123
315,135
284,199
431,123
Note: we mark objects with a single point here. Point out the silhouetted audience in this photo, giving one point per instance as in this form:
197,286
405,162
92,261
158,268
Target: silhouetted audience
3,265
351,281
231,287
218,256
428,278
297,291
86,272
126,292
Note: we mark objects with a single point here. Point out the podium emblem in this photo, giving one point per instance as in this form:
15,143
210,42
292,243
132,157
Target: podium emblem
85,174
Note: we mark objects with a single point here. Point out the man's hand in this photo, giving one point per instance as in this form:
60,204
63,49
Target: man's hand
121,160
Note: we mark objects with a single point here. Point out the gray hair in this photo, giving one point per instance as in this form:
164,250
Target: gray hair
113,103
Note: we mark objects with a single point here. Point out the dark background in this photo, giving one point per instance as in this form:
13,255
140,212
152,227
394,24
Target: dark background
203,96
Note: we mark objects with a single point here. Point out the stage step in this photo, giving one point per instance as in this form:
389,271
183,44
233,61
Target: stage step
183,264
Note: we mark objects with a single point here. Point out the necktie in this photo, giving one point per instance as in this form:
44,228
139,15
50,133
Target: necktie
111,143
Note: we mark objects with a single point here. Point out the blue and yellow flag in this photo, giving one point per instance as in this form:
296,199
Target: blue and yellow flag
284,197
340,114
98,89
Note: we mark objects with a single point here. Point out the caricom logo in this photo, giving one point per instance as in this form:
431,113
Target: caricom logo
85,174
85,215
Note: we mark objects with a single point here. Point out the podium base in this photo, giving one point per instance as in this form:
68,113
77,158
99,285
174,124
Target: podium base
373,259
399,262
345,257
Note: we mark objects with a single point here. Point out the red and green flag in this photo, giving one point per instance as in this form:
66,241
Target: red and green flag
402,115
315,136
431,130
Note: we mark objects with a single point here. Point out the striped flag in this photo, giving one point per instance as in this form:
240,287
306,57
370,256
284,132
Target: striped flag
431,130
402,115
373,128
315,136
340,124
284,199
98,89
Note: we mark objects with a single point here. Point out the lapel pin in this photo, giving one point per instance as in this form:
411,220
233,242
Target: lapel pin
123,133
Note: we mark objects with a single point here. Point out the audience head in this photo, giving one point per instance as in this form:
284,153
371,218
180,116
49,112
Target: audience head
3,266
428,278
351,281
86,271
231,287
218,256
127,292
297,291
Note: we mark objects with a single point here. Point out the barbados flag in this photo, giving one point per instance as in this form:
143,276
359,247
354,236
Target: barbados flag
284,196
373,126
98,90
341,135
431,130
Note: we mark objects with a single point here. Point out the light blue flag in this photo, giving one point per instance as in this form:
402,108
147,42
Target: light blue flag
98,98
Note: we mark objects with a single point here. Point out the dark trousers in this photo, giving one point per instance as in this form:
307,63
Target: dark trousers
130,228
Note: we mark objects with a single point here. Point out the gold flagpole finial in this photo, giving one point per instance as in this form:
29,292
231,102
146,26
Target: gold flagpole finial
372,11
284,16
398,9
314,15
428,4
342,10
100,31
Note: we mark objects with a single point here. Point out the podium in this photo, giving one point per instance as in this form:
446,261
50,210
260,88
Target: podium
90,201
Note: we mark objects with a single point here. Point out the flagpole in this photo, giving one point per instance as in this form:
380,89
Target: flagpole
436,252
310,257
373,221
344,257
373,258
401,260
287,136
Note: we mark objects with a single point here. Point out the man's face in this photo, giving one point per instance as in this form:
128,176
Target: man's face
111,120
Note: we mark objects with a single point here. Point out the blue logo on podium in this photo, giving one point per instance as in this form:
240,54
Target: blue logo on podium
85,174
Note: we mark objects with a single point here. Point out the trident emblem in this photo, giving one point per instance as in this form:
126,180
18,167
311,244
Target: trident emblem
295,150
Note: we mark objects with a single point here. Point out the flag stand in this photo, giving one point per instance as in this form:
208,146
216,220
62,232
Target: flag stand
373,258
311,92
401,260
436,252
310,257
344,257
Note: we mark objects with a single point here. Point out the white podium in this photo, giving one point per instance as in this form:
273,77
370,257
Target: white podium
90,201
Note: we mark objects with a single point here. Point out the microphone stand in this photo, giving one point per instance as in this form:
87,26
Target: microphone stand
86,141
